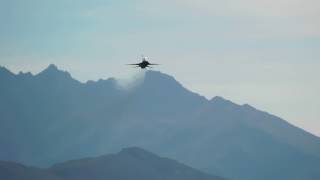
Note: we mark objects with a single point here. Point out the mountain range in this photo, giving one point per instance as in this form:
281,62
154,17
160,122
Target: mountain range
50,117
130,163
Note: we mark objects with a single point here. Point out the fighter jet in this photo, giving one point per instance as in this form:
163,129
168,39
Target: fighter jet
144,63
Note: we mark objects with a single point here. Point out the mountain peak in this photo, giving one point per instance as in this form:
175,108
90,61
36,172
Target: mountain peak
121,166
248,107
51,68
157,79
218,99
4,70
53,71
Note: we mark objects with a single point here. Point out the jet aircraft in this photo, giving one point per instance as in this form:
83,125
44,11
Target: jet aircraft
144,63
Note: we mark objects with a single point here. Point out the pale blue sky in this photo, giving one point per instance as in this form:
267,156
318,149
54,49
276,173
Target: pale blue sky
262,52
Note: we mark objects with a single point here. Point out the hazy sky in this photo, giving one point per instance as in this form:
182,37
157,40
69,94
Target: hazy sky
262,52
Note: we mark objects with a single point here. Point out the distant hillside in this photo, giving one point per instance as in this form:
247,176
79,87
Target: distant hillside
130,163
15,171
58,118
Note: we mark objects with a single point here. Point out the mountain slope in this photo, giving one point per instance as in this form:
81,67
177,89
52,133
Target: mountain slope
14,171
58,118
130,163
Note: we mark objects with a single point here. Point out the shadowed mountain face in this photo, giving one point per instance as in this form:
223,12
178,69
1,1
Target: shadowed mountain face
58,118
14,171
130,163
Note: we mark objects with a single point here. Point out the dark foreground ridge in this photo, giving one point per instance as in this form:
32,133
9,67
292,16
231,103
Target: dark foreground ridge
129,164
50,117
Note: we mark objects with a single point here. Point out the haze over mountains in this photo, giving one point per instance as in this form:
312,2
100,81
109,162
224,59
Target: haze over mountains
50,117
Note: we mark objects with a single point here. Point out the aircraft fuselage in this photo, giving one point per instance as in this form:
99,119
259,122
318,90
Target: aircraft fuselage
144,64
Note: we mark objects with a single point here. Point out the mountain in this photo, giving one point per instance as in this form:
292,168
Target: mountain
15,171
59,118
130,163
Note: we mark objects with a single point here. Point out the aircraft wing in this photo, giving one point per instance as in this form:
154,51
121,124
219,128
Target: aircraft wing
154,64
134,64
